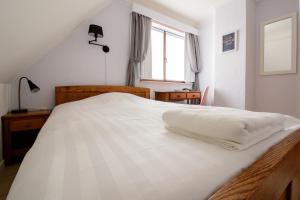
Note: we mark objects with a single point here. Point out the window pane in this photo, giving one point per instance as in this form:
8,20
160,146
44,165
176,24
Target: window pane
157,39
175,57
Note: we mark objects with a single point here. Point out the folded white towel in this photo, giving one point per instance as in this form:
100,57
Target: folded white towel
231,128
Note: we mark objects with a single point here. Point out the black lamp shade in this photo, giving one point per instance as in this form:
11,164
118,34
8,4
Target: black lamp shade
96,31
33,87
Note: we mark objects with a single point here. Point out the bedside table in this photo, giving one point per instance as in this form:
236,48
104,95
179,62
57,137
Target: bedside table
20,131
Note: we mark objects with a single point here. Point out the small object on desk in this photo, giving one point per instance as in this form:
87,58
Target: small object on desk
173,96
186,90
20,131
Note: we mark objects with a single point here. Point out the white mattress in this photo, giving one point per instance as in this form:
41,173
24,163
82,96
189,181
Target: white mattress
115,147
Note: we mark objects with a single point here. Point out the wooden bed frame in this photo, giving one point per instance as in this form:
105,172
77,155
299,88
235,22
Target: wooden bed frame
274,176
64,94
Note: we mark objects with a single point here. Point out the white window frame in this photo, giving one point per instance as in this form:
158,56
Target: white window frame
165,32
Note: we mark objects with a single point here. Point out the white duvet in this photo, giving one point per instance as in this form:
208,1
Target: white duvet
115,147
230,128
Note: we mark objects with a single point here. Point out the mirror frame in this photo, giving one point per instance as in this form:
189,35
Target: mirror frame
293,69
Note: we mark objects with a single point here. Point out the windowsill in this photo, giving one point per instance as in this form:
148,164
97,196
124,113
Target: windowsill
163,81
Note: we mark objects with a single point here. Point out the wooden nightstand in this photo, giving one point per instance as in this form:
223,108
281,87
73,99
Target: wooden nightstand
20,131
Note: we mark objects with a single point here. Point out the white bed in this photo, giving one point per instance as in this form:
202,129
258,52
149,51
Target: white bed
115,147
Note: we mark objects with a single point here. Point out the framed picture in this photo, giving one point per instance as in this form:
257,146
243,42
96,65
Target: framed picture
230,42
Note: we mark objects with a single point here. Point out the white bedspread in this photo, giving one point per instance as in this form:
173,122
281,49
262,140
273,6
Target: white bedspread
115,147
232,129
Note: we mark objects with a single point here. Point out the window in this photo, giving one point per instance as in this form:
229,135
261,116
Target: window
167,54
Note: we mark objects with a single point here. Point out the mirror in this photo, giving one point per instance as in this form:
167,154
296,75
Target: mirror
279,46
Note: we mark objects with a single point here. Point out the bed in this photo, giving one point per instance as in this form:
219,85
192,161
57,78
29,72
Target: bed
114,146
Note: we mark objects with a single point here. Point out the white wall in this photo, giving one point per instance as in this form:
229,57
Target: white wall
4,104
207,43
75,62
276,93
237,80
31,28
233,75
230,67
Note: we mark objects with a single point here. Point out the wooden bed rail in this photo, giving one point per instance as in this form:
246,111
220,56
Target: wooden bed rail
64,94
275,176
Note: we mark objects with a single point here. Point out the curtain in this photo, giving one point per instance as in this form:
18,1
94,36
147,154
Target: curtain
193,57
140,42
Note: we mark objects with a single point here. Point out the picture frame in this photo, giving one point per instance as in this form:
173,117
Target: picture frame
230,42
275,61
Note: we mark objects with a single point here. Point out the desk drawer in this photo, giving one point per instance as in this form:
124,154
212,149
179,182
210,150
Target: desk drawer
177,96
195,95
27,124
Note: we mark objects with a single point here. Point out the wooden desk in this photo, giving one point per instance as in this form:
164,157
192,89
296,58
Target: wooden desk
172,96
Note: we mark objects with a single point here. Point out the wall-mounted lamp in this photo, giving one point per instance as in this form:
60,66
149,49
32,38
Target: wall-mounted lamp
97,32
33,88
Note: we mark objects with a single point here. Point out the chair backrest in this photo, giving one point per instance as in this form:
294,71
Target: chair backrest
204,97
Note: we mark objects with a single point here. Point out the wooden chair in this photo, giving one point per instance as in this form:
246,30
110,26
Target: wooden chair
204,100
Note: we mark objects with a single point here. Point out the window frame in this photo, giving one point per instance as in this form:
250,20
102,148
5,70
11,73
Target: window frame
165,32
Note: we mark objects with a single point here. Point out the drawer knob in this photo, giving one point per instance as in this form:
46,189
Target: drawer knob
178,95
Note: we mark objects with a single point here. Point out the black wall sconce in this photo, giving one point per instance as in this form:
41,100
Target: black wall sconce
97,32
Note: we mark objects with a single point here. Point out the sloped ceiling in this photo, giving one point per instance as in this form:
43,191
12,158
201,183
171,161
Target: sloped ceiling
30,28
192,12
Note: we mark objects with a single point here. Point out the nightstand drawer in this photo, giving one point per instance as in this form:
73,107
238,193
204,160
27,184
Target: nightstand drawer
195,95
177,96
27,124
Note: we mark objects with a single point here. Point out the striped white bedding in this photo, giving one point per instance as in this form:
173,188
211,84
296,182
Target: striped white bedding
115,147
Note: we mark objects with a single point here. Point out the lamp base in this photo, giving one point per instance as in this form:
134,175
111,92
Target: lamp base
19,111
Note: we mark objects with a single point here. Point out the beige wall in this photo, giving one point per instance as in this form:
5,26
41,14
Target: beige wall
298,96
236,75
250,55
276,93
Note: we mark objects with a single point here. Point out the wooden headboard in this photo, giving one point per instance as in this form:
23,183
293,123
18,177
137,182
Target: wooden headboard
64,94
